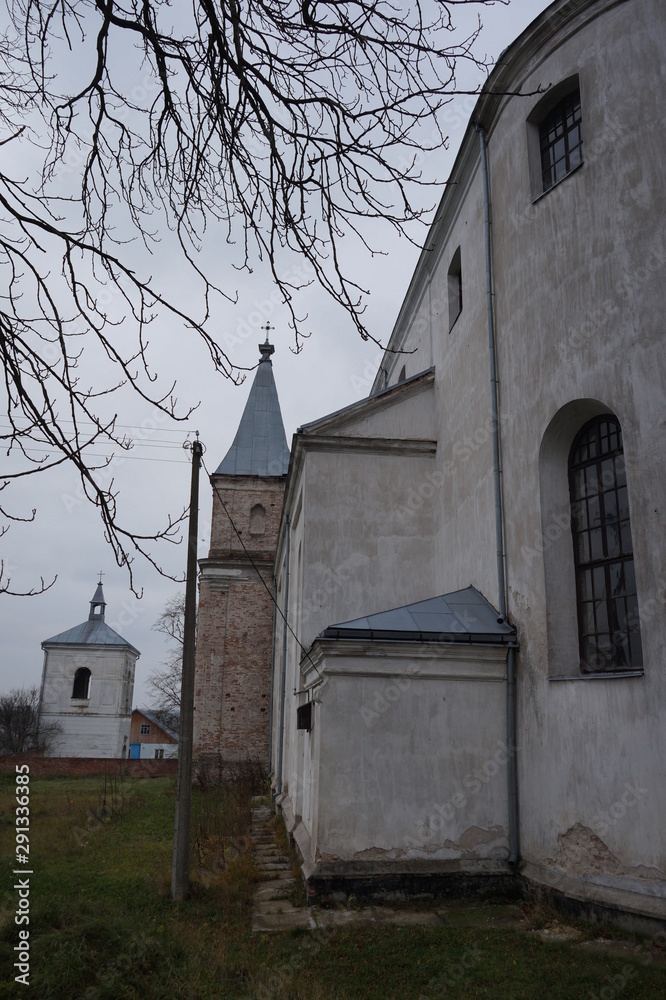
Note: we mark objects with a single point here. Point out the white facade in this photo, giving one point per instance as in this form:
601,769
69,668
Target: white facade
397,500
150,751
87,688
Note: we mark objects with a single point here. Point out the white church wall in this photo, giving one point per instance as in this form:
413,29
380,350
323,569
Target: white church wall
408,745
578,297
578,311
591,328
375,553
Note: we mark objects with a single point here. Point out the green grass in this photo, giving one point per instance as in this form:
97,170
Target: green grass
102,924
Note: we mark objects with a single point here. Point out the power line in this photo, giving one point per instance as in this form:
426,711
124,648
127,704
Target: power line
145,431
91,454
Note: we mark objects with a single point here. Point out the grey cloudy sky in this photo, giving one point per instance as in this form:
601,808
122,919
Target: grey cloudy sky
334,369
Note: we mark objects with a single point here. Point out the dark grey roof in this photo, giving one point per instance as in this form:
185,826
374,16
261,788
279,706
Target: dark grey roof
94,632
462,616
260,446
89,633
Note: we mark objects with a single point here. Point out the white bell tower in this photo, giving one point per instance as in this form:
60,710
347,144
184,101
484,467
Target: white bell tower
87,687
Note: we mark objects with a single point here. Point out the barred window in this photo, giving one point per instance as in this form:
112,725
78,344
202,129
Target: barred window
561,140
145,728
607,602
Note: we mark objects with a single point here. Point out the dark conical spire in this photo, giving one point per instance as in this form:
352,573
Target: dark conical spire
97,605
260,446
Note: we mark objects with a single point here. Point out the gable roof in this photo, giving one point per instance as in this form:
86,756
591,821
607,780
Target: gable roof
260,446
369,404
463,616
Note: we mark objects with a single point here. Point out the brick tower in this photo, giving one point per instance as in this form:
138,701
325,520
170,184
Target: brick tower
235,624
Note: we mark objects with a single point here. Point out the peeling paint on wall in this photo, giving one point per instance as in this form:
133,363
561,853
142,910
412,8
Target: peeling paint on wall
474,836
580,852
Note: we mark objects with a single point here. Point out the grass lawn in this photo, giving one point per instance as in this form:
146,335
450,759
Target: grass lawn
102,924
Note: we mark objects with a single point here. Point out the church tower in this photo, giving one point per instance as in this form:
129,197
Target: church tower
87,687
235,623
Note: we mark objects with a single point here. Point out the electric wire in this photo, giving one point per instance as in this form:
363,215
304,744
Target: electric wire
116,456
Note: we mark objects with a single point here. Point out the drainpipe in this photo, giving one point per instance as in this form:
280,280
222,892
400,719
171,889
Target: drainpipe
284,657
499,514
270,717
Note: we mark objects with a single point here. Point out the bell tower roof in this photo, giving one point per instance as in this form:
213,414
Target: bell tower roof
260,446
94,631
97,605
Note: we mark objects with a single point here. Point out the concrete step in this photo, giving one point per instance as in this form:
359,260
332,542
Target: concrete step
267,923
275,889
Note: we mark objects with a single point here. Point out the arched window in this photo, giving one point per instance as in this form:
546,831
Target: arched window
608,620
454,281
555,136
81,683
561,140
257,520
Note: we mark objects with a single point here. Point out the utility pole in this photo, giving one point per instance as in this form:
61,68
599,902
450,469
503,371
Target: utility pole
180,870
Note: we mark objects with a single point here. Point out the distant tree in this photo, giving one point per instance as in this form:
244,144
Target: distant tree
287,125
165,682
20,729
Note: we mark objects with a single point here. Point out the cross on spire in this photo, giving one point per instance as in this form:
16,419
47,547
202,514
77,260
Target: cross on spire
266,349
100,578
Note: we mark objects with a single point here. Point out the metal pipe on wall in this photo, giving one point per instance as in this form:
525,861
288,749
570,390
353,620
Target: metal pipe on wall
284,655
270,717
514,849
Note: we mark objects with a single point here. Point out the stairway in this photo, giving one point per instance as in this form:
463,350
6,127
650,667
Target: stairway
272,908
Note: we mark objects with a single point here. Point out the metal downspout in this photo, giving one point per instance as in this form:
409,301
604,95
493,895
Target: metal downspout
284,657
270,717
499,514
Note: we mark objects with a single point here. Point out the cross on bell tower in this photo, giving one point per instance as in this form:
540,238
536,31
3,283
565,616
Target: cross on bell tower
266,349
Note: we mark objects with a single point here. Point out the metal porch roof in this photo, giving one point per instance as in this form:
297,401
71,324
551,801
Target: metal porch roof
463,616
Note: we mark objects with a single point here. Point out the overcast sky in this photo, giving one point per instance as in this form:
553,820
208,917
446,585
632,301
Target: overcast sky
335,368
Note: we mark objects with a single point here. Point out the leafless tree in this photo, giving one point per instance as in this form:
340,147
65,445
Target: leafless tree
20,729
165,682
280,125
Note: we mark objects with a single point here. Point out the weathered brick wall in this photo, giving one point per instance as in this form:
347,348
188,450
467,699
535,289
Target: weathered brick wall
235,624
240,495
41,767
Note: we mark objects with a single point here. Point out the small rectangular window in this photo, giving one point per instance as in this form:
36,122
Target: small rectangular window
304,716
145,728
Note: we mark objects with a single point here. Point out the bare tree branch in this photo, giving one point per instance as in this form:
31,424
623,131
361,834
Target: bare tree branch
165,683
285,125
